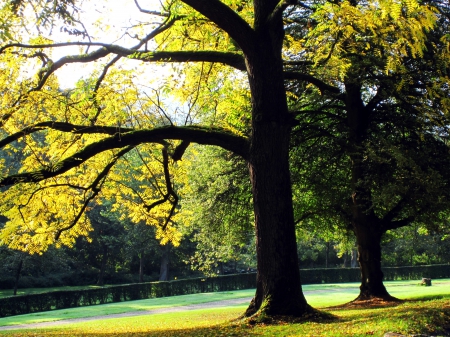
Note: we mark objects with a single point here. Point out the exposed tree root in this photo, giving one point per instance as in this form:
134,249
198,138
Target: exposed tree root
313,315
370,302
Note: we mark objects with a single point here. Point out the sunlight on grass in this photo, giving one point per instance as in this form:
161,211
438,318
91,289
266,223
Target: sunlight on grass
427,317
408,317
121,307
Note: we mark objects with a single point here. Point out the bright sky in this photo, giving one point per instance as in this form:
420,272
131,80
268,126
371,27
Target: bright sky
105,21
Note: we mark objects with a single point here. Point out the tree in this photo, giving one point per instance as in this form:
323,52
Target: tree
89,132
388,125
217,210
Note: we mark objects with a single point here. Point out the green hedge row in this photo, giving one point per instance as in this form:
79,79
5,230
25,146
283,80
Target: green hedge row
343,275
25,304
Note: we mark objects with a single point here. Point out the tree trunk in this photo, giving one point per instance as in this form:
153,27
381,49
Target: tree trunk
369,258
164,270
366,226
278,290
101,274
278,286
354,259
141,267
327,253
16,281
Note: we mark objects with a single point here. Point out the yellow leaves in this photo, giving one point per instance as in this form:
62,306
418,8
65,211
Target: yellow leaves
36,214
169,234
390,29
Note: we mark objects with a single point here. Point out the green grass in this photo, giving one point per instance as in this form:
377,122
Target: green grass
121,307
429,317
410,317
334,294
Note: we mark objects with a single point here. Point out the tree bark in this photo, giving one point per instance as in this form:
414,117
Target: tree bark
16,280
354,258
369,257
368,228
164,270
278,286
101,274
141,267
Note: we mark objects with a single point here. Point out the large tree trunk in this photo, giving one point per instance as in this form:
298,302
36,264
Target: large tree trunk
369,257
278,290
366,226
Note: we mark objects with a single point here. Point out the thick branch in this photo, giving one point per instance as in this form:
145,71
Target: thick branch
398,224
218,137
64,127
179,150
280,8
224,17
234,60
322,86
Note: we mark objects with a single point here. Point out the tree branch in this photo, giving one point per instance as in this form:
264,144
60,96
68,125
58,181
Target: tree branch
179,150
146,11
95,187
234,60
224,17
280,8
64,127
206,136
169,189
322,86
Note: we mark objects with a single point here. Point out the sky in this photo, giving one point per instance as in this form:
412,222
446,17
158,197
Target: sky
105,22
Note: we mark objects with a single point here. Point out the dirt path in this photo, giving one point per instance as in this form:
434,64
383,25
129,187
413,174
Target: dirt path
206,305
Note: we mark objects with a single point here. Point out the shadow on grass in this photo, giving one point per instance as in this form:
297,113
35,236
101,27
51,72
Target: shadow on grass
413,317
428,298
429,315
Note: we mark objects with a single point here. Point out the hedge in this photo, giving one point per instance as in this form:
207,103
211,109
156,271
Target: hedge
343,275
25,304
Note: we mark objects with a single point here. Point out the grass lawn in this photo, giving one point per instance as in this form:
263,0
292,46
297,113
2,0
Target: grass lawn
426,315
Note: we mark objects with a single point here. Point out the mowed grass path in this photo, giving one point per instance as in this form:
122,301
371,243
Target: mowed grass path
431,316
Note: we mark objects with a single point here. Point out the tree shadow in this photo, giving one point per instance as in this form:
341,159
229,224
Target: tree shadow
429,320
